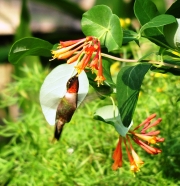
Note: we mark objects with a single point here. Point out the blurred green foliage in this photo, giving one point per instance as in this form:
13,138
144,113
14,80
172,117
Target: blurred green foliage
83,156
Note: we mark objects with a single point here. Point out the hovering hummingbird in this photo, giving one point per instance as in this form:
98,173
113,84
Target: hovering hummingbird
67,106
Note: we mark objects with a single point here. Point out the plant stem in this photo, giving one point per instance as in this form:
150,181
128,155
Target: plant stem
136,61
119,59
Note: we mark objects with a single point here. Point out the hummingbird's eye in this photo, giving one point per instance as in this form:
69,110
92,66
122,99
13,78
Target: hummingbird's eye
70,81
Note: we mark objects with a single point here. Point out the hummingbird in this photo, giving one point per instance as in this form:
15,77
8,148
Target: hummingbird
67,106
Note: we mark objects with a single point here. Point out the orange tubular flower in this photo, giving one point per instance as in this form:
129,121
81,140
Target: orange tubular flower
117,155
144,139
146,121
71,42
149,139
86,51
133,165
100,78
136,158
147,148
94,64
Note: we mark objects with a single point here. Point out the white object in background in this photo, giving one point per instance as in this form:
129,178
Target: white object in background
54,88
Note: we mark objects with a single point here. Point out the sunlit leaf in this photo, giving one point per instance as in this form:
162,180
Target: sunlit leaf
158,21
145,11
29,46
100,22
54,88
110,114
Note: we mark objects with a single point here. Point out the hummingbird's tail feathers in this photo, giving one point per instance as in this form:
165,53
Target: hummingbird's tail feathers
58,129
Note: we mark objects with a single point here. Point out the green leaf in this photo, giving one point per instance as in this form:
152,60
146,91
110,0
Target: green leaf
129,35
106,72
158,21
145,11
103,24
129,81
110,114
29,46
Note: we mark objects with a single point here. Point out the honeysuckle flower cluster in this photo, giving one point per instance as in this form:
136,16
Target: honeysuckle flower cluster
144,139
86,51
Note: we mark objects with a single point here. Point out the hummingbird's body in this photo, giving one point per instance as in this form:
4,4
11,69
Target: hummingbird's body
67,106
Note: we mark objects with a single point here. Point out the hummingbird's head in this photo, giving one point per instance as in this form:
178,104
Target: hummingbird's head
73,84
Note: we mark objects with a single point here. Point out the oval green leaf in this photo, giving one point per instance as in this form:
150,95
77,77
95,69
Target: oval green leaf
103,24
106,71
29,46
145,11
158,21
129,81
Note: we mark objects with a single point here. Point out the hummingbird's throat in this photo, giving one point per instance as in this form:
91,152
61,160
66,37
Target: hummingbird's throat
73,84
